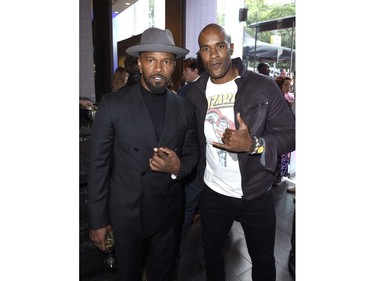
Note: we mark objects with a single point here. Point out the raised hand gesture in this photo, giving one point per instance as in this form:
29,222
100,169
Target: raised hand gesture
236,140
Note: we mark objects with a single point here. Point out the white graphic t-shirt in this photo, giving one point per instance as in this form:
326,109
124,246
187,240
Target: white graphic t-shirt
222,172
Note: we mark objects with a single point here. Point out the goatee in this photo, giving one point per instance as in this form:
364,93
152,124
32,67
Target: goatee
159,87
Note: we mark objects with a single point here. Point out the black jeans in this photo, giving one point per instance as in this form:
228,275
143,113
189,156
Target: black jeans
258,220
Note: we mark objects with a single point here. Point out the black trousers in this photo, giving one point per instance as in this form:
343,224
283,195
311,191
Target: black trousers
157,252
258,220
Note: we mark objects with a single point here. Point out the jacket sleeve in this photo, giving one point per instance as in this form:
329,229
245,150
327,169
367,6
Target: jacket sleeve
101,143
190,151
279,135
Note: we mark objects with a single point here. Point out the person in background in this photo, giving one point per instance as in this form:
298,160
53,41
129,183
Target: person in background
284,159
143,142
190,71
243,124
284,84
264,68
283,73
120,77
131,67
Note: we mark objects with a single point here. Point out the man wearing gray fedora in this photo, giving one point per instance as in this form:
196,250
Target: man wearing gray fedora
143,142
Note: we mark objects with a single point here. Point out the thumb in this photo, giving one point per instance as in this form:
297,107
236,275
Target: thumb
241,122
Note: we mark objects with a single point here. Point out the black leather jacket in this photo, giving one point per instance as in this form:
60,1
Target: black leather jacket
267,115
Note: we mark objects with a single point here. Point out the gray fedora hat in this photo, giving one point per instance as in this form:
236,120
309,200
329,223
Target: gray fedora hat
157,40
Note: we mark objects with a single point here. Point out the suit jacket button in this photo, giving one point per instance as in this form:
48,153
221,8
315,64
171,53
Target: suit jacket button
136,149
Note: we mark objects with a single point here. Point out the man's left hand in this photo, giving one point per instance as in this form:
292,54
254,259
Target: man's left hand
165,160
236,140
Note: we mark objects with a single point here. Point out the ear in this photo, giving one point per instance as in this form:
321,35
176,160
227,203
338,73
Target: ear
139,65
231,48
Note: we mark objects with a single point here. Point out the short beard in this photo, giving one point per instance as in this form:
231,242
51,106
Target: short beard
158,89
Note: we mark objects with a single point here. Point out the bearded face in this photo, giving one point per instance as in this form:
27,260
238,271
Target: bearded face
156,69
156,84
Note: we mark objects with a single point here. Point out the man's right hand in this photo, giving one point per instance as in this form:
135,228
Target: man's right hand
165,160
97,237
86,103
